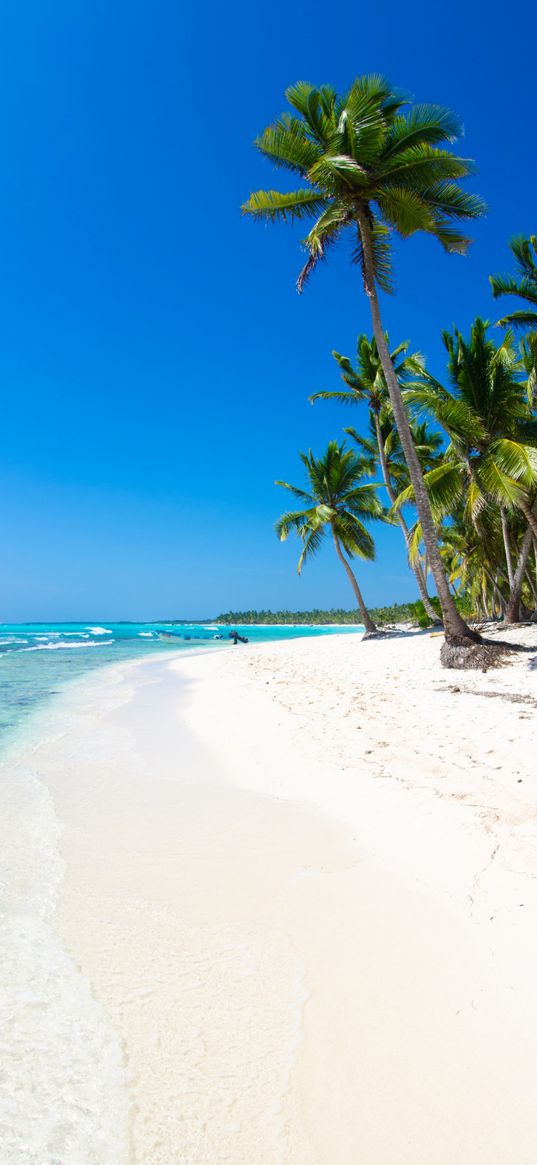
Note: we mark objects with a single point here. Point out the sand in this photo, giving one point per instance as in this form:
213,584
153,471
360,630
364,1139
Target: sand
301,880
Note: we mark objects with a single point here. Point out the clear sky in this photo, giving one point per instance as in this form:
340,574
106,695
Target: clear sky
155,359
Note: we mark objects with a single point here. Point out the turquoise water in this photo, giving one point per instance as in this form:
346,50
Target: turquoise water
37,659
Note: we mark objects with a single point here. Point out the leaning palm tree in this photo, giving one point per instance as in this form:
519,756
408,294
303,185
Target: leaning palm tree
523,286
365,382
337,502
371,164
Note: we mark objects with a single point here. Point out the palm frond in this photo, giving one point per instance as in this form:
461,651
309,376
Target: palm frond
507,285
405,210
314,107
287,144
516,460
422,124
424,167
293,521
312,540
445,486
353,535
519,319
343,398
273,205
498,485
297,493
414,545
323,235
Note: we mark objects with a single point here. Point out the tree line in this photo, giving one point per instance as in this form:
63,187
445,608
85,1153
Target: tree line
414,613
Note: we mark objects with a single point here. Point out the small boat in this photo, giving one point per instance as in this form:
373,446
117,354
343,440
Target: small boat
170,636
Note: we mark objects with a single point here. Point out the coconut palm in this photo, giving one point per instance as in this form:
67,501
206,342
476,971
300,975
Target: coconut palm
523,285
428,444
528,356
366,383
372,164
337,502
492,455
491,461
475,561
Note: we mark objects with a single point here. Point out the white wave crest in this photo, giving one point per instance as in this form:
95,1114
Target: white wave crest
65,646
99,630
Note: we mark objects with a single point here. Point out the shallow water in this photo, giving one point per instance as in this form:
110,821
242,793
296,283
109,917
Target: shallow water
38,659
64,1099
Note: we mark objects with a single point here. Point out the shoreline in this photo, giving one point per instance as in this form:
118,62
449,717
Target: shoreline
298,911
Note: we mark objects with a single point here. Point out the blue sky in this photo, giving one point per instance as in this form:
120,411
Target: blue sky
155,358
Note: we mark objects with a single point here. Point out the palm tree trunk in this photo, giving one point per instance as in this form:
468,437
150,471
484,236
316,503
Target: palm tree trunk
531,584
512,610
498,599
486,607
366,617
494,587
422,585
454,625
530,516
507,546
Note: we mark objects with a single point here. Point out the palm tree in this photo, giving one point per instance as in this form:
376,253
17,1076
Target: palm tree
524,286
474,559
366,382
491,460
492,455
372,164
336,502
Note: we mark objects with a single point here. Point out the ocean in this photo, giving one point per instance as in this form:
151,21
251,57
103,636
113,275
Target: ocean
38,659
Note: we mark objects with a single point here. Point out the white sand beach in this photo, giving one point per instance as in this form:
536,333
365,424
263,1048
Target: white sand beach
301,882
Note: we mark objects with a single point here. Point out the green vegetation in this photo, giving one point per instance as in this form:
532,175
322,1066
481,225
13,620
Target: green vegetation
458,461
382,448
525,287
373,164
336,502
397,613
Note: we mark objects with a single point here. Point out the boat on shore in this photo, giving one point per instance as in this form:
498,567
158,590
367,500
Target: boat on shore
169,636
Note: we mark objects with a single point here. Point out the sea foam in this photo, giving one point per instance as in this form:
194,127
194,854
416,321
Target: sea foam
63,1100
65,646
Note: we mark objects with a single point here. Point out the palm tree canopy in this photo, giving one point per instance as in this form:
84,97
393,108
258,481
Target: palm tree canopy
492,455
468,550
365,380
335,498
368,151
428,443
524,286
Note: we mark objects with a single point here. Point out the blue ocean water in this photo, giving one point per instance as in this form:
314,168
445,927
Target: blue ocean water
38,659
